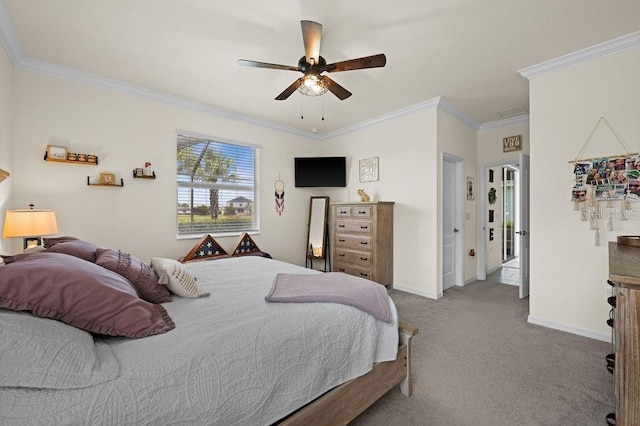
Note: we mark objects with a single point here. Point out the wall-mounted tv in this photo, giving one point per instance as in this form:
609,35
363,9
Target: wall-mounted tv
320,172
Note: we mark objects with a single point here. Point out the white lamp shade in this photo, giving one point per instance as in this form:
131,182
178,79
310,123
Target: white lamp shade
29,223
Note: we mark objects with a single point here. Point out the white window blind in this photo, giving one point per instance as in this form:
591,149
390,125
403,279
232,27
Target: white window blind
217,187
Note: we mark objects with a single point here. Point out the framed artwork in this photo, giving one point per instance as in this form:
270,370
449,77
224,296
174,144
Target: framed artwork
369,169
470,189
108,178
55,152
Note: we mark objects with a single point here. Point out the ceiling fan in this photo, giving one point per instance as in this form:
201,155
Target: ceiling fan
312,65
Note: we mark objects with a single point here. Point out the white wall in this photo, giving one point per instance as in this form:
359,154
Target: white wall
6,139
568,272
125,131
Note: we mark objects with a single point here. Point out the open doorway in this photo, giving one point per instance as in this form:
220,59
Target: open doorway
502,239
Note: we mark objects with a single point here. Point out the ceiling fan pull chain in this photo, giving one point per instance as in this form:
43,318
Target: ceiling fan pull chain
301,108
322,108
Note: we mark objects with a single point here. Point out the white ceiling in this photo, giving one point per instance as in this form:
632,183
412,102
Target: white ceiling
468,51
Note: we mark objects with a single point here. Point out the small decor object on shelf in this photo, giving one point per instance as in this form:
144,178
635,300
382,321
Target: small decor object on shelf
138,172
364,197
56,152
92,158
147,169
107,178
72,156
82,157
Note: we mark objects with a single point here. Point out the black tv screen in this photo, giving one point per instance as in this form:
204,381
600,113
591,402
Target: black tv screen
320,172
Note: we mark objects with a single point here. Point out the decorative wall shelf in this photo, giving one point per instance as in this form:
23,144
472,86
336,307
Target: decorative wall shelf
3,175
138,176
58,160
105,184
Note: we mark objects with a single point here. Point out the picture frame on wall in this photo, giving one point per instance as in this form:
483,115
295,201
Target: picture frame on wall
470,189
368,169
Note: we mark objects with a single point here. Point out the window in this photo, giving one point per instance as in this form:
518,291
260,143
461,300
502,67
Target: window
217,186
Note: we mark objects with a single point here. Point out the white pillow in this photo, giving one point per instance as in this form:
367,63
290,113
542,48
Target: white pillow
174,275
44,353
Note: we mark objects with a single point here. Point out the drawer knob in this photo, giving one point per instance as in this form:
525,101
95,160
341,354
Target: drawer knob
341,269
341,240
364,274
364,258
364,243
344,211
341,254
361,212
364,227
340,226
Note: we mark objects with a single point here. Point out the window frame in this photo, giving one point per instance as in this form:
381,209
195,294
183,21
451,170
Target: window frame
254,226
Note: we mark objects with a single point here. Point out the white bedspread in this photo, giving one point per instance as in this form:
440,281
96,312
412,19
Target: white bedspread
233,358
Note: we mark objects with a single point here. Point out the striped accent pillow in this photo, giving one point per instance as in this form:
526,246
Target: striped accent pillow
173,274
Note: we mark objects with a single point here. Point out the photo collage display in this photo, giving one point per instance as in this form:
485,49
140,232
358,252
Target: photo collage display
614,178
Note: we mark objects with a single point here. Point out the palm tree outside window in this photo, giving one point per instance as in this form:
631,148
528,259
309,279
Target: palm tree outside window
212,177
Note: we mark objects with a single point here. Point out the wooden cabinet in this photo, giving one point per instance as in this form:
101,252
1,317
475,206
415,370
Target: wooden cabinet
624,273
362,240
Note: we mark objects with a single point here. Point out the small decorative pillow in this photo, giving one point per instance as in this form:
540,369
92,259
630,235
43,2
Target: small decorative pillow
143,278
174,275
78,248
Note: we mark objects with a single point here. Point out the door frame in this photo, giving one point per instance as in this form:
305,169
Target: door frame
482,213
459,221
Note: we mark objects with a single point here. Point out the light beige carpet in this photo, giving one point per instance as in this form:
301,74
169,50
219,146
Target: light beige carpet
478,362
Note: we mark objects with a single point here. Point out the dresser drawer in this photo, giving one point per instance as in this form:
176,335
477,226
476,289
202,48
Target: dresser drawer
356,242
348,225
355,211
354,270
360,258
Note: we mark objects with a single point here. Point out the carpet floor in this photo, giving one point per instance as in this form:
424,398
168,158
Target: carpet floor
476,361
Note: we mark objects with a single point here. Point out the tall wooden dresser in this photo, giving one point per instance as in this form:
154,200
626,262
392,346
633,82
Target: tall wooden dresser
362,240
624,274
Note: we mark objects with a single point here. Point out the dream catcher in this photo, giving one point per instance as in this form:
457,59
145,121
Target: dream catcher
279,196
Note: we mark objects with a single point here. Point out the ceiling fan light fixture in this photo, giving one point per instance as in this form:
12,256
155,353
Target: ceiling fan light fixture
312,85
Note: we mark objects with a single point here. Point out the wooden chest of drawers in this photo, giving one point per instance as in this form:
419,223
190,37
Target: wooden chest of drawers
362,240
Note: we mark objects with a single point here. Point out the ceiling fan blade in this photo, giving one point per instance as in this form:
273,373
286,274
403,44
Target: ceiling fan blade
374,61
248,63
289,90
312,36
335,88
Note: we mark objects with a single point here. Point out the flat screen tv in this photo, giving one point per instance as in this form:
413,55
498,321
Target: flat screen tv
320,172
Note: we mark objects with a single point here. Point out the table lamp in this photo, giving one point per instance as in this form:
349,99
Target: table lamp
31,224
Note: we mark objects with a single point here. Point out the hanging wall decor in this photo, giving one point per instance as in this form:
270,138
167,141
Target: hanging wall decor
605,187
279,196
492,196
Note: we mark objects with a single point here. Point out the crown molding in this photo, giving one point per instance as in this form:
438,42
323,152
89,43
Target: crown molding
69,74
506,122
448,106
620,44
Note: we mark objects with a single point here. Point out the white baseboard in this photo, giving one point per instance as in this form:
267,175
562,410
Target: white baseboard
597,335
417,292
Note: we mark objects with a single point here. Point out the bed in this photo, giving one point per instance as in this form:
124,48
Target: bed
219,355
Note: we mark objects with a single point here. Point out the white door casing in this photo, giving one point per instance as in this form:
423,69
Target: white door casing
523,232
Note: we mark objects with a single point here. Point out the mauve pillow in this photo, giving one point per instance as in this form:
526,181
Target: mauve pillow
143,278
78,248
51,241
79,293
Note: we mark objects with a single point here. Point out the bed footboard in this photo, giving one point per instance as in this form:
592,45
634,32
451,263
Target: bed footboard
344,403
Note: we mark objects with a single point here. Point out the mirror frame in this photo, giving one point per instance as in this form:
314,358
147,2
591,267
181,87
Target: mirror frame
318,217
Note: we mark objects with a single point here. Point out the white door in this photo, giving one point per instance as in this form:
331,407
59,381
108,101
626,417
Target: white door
449,185
524,226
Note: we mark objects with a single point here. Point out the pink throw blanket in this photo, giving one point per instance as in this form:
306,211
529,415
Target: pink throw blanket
332,287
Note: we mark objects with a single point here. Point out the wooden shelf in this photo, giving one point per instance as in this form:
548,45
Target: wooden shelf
56,160
153,176
105,184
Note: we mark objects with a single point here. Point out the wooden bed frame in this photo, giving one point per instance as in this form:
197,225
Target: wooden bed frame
344,403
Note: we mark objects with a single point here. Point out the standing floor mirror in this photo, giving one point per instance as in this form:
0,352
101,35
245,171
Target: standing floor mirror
317,233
